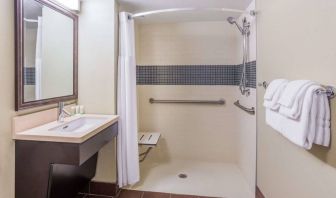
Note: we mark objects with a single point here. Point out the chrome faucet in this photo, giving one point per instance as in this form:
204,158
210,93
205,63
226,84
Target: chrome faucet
62,113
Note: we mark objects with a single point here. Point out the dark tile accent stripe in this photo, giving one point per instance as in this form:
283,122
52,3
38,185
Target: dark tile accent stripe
250,74
195,74
29,75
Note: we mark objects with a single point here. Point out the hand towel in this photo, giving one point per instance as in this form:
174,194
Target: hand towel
294,111
272,88
291,91
327,125
274,92
323,122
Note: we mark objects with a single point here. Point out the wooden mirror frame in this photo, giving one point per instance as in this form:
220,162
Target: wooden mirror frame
20,104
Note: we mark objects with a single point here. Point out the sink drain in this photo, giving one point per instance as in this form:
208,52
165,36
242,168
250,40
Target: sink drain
183,176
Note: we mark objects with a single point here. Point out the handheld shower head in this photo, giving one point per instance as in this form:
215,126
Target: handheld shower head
233,20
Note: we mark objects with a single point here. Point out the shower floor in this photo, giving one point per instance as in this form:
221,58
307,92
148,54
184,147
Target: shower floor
203,179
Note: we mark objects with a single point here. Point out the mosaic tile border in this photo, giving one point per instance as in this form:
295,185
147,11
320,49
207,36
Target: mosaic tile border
195,74
29,76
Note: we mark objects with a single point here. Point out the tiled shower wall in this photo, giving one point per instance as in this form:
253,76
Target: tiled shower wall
196,74
192,61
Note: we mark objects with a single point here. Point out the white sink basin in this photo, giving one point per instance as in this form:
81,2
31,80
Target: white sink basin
79,125
75,129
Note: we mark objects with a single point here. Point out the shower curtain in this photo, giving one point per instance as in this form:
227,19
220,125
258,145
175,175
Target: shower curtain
127,141
38,61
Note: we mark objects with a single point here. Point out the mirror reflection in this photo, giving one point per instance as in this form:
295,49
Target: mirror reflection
48,52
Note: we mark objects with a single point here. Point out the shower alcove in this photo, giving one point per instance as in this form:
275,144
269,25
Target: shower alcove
204,149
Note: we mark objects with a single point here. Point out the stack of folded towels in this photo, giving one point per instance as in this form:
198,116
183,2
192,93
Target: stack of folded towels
296,111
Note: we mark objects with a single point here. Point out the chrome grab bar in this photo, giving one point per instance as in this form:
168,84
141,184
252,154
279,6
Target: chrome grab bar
247,110
212,102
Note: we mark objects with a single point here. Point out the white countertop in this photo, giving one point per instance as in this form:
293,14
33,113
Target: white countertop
43,132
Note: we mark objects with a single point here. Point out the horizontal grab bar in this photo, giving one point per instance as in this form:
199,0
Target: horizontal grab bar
248,110
214,102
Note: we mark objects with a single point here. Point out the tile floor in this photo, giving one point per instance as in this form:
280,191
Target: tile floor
141,194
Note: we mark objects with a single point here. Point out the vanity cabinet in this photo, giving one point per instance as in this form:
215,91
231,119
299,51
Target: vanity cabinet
57,169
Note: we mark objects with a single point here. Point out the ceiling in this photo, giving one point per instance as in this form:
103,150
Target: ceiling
136,6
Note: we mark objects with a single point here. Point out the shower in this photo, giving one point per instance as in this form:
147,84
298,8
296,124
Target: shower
245,31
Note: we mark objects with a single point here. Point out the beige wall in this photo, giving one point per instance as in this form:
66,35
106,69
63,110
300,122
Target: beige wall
97,70
186,43
296,40
190,132
6,99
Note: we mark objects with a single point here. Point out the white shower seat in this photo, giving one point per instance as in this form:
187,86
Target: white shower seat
148,139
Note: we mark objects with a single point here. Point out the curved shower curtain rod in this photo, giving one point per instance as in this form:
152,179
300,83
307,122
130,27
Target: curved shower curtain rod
142,14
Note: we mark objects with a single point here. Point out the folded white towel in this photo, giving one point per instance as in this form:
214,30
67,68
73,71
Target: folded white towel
327,125
273,94
291,91
310,127
294,111
322,136
272,88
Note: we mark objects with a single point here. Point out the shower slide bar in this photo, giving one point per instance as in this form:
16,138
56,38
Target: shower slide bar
210,102
247,110
329,90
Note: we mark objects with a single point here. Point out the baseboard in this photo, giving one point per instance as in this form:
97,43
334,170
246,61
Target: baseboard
259,193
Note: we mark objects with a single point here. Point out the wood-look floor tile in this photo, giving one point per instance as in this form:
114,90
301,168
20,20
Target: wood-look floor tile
102,188
130,194
97,196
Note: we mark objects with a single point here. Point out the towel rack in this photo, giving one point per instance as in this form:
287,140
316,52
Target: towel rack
213,102
247,110
329,90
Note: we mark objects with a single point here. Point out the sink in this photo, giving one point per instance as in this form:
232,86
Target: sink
79,125
74,129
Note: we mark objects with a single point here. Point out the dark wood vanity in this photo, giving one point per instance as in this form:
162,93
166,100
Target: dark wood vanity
56,169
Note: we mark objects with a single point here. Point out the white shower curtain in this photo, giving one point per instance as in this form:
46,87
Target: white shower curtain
38,61
127,144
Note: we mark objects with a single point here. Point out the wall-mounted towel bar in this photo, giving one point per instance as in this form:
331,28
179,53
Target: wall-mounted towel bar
212,102
247,110
329,90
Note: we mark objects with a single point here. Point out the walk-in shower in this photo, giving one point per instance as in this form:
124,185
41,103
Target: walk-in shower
245,31
189,63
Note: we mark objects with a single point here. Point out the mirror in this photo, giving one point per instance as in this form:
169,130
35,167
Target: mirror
46,53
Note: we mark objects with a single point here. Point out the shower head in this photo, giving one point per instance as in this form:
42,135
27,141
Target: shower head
233,20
